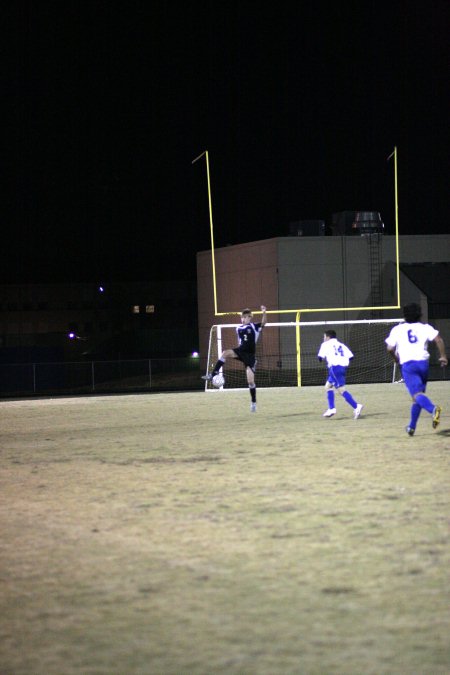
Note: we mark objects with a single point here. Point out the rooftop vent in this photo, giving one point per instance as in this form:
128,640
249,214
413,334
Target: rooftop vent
367,222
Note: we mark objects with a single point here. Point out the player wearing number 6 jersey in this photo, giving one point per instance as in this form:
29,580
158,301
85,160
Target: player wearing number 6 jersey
338,356
408,345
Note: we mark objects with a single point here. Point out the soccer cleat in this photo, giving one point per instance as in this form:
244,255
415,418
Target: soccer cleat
252,407
207,377
436,416
357,412
329,413
410,431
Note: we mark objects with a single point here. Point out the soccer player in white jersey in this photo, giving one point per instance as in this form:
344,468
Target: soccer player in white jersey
408,345
338,356
247,334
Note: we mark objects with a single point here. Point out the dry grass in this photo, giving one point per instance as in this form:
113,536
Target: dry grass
178,533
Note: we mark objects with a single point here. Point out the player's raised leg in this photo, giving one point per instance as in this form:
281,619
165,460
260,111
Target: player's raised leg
219,364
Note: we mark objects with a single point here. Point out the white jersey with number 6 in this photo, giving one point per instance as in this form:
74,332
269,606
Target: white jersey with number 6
410,341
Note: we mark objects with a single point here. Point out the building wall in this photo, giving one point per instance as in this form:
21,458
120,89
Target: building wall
246,276
332,272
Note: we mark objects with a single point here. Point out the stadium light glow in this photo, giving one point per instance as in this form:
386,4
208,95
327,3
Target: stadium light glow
74,336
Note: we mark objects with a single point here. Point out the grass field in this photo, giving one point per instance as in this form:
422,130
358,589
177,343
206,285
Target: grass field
180,534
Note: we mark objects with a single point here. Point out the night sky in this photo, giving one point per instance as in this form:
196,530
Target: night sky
298,104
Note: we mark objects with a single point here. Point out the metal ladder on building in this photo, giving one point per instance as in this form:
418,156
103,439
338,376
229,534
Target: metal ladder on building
376,285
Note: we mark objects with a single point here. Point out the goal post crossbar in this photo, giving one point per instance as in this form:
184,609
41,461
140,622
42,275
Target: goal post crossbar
312,323
298,312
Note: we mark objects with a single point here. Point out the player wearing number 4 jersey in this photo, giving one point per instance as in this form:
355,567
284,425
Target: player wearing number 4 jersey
338,356
408,345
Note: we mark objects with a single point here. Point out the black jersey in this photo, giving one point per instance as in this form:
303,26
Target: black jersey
248,335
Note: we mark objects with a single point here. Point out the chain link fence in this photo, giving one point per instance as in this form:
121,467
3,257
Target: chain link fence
84,377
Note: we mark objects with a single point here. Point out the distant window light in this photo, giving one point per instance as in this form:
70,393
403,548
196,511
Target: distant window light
135,309
149,309
101,289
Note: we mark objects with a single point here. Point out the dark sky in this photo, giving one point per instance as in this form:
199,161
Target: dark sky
298,104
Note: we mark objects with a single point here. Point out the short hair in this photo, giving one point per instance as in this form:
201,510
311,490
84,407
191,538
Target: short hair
412,312
330,333
246,312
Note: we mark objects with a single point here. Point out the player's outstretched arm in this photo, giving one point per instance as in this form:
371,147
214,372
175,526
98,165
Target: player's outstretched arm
443,360
264,316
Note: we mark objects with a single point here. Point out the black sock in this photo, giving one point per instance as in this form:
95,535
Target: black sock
253,394
217,367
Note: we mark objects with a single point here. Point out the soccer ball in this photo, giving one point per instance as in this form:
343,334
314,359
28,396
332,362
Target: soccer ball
218,380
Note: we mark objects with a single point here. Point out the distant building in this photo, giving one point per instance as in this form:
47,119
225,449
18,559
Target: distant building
85,320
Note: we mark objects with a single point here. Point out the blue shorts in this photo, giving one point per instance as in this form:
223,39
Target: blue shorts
415,375
336,376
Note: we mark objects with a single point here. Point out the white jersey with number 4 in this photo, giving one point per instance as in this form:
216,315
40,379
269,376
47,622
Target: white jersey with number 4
410,341
335,353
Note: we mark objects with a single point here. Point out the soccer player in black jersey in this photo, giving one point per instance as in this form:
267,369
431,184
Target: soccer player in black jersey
248,333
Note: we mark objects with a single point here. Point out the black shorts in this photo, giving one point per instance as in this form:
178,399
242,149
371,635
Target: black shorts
247,358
